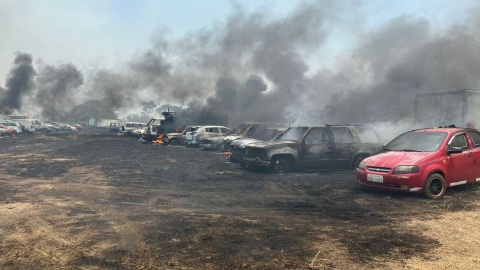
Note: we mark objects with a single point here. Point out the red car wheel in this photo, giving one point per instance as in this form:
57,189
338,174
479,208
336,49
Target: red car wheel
435,186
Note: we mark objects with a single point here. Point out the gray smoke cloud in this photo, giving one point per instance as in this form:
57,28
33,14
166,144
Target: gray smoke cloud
20,82
404,58
258,67
57,87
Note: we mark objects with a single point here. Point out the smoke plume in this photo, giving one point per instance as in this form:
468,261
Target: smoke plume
57,86
20,82
258,67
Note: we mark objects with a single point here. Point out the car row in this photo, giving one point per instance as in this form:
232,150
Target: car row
420,161
35,125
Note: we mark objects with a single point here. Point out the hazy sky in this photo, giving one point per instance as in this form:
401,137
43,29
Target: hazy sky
103,33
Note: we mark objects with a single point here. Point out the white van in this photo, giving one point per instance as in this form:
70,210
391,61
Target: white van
27,124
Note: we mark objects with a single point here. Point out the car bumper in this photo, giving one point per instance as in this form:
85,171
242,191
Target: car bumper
402,182
207,146
255,162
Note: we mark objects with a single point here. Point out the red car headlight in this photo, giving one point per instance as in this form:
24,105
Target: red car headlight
406,169
362,165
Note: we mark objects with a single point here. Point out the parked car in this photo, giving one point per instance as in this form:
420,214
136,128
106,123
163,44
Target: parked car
237,147
70,127
78,126
115,126
193,138
4,131
43,127
247,130
130,126
179,138
327,147
424,160
213,138
16,126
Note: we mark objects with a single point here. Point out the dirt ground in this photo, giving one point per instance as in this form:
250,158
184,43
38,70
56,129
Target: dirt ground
97,200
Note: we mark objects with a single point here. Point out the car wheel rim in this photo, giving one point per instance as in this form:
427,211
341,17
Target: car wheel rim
436,187
281,165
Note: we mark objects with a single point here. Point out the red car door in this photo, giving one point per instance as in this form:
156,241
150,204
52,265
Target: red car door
461,166
475,139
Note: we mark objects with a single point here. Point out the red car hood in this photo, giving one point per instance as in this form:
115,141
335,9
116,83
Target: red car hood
393,159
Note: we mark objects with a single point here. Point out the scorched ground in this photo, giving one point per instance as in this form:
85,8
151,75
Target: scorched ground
102,201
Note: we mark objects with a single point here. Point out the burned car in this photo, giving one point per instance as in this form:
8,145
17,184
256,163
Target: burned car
248,130
327,147
209,135
179,138
237,146
213,140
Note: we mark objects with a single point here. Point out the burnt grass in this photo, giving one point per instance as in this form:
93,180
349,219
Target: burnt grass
144,206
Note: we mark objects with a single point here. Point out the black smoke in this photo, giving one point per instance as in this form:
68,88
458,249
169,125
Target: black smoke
257,66
19,83
57,89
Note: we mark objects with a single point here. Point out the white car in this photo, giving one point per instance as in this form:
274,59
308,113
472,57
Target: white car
192,138
16,126
128,127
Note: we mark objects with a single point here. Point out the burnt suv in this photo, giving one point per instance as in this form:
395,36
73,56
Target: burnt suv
327,147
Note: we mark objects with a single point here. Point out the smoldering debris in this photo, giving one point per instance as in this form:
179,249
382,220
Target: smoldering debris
20,82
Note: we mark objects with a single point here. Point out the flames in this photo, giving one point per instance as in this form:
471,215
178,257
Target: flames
227,153
159,139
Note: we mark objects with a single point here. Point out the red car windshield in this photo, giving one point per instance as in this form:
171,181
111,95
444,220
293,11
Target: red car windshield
417,142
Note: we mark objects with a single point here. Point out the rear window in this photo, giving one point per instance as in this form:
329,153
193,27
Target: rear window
292,134
475,138
211,130
342,135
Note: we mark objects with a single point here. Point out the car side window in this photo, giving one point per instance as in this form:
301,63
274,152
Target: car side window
475,136
459,141
225,130
317,136
251,131
211,130
342,135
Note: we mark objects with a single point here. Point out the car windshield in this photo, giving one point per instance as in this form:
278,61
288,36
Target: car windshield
240,129
292,134
266,134
417,142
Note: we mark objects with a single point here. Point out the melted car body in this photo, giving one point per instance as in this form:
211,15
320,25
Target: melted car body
250,130
327,147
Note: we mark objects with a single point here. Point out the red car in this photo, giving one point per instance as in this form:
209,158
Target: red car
4,130
424,160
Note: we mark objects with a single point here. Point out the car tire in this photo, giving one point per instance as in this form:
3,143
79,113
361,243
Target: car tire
174,142
356,160
282,164
435,186
1,134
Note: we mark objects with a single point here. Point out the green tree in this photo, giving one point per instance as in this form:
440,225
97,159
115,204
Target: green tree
148,108
94,109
